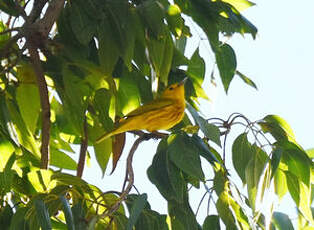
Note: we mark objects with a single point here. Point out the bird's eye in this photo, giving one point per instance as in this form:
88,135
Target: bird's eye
171,88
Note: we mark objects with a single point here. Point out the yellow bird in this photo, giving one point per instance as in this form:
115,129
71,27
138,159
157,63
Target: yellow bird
160,114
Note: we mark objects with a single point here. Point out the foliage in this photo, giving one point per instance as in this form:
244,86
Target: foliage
67,86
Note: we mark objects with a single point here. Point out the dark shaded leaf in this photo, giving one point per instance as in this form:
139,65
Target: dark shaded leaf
211,223
78,211
185,155
18,221
136,210
164,175
282,221
83,27
42,214
6,214
67,213
275,160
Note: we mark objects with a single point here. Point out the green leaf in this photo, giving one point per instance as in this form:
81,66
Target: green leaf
102,101
275,160
108,48
42,214
67,213
310,153
24,136
210,131
136,210
280,183
298,164
278,128
205,151
160,53
128,94
181,215
241,155
8,6
3,37
41,180
76,97
196,71
83,27
29,108
227,64
253,172
103,151
301,195
211,223
165,175
196,68
61,160
240,4
152,15
6,151
224,212
185,155
174,19
282,221
246,79
6,214
79,213
19,221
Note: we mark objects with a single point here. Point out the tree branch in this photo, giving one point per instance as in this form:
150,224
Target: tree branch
36,10
129,177
83,150
45,105
50,17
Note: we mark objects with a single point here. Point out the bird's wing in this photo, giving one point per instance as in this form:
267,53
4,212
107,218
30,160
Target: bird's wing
151,106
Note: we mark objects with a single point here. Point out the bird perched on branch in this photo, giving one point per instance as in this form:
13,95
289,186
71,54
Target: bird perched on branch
160,114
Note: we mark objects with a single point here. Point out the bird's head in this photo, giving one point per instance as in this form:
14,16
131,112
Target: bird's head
175,91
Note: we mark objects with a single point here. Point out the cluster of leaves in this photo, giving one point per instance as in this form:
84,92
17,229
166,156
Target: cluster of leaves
102,62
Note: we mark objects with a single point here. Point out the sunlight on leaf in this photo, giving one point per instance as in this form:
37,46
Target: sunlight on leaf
240,5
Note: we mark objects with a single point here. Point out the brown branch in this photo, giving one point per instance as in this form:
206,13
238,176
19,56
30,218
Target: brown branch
36,10
83,150
50,17
45,105
129,177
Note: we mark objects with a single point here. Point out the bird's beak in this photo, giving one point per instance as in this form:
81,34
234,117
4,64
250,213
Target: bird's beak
183,81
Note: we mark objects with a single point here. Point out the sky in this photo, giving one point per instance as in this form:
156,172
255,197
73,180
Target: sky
280,61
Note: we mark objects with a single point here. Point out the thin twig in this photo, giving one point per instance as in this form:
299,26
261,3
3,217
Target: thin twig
83,150
201,201
129,177
21,10
9,30
45,105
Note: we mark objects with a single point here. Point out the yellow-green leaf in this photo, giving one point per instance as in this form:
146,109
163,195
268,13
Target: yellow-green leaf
240,4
